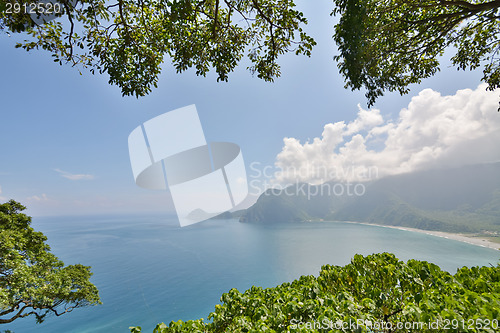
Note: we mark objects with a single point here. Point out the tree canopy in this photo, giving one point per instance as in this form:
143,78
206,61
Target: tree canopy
388,45
383,45
376,293
33,281
128,39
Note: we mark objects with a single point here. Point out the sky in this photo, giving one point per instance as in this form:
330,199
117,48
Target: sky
64,135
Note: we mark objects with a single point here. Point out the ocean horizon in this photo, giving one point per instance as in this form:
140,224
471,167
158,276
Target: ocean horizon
149,270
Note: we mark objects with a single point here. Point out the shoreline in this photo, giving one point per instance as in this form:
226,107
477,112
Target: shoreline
478,241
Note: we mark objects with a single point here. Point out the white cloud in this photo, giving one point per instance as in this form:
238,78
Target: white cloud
433,131
38,198
72,176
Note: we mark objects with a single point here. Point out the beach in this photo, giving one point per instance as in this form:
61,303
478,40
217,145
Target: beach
479,241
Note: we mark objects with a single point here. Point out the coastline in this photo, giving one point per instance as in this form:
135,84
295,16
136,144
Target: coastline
478,241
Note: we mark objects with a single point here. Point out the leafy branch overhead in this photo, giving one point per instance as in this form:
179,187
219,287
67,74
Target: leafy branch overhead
383,45
129,39
388,45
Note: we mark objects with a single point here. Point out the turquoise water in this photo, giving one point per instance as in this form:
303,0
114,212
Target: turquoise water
149,270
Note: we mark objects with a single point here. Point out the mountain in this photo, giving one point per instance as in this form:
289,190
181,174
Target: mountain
465,199
229,215
301,202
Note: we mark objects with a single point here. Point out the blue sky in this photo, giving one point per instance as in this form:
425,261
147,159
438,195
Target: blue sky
64,135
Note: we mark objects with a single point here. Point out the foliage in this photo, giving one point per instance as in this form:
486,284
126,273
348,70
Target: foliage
388,45
372,293
384,45
32,280
128,39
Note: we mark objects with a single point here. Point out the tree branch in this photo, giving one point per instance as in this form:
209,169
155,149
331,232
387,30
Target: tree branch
446,16
70,36
271,24
216,14
17,315
239,11
122,18
12,309
476,7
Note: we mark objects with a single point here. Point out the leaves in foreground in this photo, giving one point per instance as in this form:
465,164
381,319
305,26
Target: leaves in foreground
373,293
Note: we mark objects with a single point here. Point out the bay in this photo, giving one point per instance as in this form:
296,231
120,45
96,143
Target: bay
149,270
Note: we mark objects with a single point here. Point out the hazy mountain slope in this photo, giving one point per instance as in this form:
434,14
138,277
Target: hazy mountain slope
276,208
459,200
465,199
470,186
297,203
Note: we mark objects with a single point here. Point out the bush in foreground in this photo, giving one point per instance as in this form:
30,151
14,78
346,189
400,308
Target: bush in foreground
376,293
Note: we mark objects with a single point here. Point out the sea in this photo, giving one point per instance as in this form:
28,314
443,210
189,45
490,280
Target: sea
149,270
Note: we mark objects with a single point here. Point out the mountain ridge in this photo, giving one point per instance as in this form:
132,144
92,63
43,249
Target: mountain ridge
464,200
